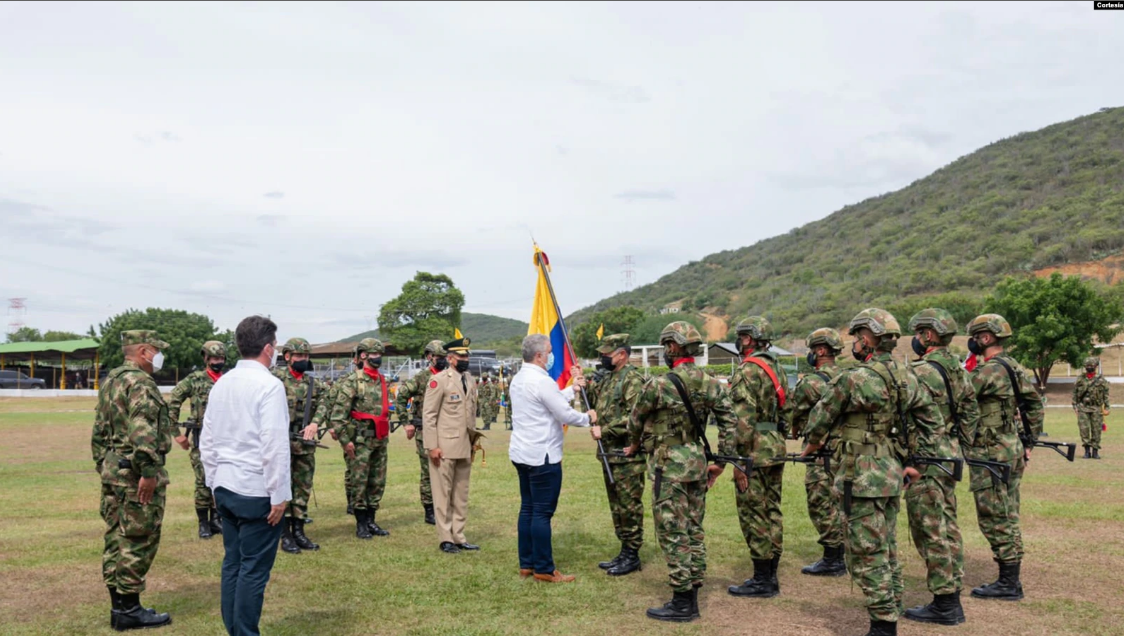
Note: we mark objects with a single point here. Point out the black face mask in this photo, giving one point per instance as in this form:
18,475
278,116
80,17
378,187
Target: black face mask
441,364
217,367
301,366
811,358
974,346
374,363
607,363
861,353
462,366
918,348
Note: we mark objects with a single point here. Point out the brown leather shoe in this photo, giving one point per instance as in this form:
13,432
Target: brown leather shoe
557,577
525,573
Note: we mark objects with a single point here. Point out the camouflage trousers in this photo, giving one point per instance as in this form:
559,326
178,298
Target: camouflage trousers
507,416
759,511
132,536
931,507
425,488
1090,425
203,496
302,467
872,555
997,509
368,473
678,516
488,413
626,502
347,471
823,507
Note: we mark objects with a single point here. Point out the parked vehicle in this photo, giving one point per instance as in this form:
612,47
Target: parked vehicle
18,380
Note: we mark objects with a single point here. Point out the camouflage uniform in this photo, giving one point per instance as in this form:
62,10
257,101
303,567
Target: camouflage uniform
130,439
196,387
507,406
864,408
409,404
678,466
997,505
613,397
760,409
823,506
1090,401
362,393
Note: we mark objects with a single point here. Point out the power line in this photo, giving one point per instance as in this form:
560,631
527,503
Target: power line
628,273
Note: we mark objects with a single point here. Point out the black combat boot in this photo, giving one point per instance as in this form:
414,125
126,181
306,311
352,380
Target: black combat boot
301,538
882,628
944,610
612,563
216,521
1007,588
361,529
695,599
350,509
133,616
761,585
115,601
773,567
682,608
629,563
288,543
831,564
1096,453
374,527
205,531
429,514
1088,453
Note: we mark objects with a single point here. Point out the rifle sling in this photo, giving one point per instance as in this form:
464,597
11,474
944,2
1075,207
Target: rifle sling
683,395
1018,397
308,403
951,402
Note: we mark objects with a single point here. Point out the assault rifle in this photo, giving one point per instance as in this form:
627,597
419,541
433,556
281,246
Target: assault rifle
742,464
956,472
193,429
822,454
307,442
999,471
1026,434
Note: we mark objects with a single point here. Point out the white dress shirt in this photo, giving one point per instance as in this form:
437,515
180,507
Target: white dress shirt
244,445
538,411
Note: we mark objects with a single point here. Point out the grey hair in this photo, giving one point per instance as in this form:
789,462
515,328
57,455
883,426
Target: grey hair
533,345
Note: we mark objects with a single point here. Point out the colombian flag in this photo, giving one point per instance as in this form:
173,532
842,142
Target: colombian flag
546,320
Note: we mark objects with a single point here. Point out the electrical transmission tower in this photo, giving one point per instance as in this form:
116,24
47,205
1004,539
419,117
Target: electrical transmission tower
628,273
17,309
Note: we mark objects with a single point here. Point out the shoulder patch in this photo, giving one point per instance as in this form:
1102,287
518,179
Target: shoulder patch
433,384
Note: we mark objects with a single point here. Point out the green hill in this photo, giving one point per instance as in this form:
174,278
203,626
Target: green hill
1035,200
484,330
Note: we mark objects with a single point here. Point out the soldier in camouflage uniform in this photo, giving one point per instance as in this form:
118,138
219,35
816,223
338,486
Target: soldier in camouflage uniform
488,399
678,463
361,416
302,438
612,398
931,500
409,404
823,507
1090,402
757,391
197,387
867,409
327,403
130,439
506,393
997,505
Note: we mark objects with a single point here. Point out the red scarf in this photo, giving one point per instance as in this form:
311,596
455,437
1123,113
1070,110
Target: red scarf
1091,375
971,363
433,371
298,376
680,361
214,376
382,421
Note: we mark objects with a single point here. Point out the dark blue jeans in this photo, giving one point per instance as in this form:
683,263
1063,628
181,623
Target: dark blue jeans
539,487
251,547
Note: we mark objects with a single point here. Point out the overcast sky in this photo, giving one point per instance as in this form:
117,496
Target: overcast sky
304,160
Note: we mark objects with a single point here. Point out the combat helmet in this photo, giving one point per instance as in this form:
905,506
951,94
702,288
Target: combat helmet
1092,362
757,327
994,323
939,320
880,322
370,345
684,334
827,337
436,347
214,349
296,345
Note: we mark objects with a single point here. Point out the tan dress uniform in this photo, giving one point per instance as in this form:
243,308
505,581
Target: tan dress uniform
449,423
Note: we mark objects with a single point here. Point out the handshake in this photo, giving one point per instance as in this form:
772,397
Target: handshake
580,382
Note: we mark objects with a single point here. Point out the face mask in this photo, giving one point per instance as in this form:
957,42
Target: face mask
550,361
974,346
441,364
811,358
217,367
607,363
157,361
1090,371
918,348
462,366
301,366
273,358
860,353
374,363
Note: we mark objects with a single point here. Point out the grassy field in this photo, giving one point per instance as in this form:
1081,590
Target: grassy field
50,545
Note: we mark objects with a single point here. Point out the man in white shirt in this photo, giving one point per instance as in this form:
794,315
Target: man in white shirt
244,448
539,410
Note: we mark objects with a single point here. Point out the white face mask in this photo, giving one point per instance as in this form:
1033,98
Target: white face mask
273,360
157,361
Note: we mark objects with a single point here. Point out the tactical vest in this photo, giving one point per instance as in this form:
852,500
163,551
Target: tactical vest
999,412
873,433
673,426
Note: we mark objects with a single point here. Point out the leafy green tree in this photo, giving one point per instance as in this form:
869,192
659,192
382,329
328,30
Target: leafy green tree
25,334
184,332
616,320
1055,320
59,336
429,307
648,331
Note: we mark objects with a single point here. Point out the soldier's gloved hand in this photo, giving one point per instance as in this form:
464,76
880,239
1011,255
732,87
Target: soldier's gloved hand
409,431
309,431
145,489
182,441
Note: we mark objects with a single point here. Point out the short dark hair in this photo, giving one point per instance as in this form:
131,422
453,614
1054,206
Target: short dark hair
253,334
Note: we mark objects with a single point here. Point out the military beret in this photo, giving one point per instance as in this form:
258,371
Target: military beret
460,345
142,336
611,343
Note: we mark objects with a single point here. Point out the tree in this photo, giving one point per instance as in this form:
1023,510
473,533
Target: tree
184,332
25,334
1054,319
59,336
616,320
428,308
648,331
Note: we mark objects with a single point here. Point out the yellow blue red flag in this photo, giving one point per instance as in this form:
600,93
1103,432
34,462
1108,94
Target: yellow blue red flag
546,320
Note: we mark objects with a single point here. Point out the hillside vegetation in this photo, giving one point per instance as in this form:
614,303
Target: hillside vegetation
1037,200
484,330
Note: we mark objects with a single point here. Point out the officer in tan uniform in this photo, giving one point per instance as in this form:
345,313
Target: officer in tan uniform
449,431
